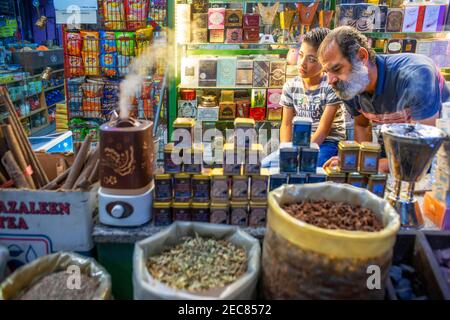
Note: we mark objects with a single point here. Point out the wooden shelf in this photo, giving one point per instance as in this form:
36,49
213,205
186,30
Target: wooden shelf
36,129
26,97
56,103
407,34
32,113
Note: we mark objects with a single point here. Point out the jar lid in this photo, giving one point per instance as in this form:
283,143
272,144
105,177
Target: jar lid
240,178
209,98
162,176
183,122
236,204
355,175
378,177
334,172
370,146
181,175
219,205
181,205
200,177
217,173
348,145
200,205
161,204
258,204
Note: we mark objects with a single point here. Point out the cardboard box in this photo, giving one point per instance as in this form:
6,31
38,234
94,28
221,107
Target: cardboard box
199,6
431,18
346,15
34,223
187,109
259,97
234,35
189,72
251,35
226,72
277,73
251,21
273,98
200,20
233,18
420,18
208,113
216,18
258,114
436,211
244,73
409,45
216,36
394,20
411,14
199,35
227,110
207,73
394,46
261,69
424,47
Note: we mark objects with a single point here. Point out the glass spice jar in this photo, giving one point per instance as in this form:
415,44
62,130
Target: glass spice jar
163,187
239,213
200,188
369,154
220,213
200,212
357,180
377,184
348,153
162,213
181,211
258,214
182,187
171,163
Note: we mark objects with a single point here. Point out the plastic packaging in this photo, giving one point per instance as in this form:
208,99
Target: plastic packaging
28,274
301,261
145,287
4,255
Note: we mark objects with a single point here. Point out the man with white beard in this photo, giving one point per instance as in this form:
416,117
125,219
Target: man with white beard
379,89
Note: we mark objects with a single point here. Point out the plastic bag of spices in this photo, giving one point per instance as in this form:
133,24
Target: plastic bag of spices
147,287
304,261
41,278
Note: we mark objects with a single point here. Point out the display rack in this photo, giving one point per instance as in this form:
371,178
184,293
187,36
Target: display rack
97,58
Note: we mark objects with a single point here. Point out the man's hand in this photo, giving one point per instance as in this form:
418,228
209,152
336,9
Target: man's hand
331,163
383,165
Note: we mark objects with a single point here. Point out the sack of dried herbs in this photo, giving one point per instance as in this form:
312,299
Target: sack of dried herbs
58,276
4,255
194,260
324,241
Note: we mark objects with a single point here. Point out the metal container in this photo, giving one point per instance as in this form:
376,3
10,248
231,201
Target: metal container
348,152
369,154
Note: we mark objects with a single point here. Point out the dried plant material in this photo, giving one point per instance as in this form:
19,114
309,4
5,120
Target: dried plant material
199,264
335,215
56,286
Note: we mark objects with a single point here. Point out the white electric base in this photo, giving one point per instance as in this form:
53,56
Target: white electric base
125,210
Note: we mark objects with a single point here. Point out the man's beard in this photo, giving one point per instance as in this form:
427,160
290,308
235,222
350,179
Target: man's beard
356,83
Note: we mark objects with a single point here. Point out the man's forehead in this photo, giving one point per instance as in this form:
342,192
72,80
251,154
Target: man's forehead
331,55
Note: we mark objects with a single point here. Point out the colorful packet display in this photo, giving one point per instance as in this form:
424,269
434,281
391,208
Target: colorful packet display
74,42
91,41
148,108
122,64
143,39
114,13
92,107
91,63
107,42
108,63
75,66
92,89
136,12
125,43
147,90
111,92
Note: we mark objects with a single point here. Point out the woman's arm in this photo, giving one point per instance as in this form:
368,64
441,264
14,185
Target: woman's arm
325,124
286,124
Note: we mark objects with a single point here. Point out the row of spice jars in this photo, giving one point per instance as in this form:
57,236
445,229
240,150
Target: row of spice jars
355,157
239,213
215,186
277,180
299,159
375,183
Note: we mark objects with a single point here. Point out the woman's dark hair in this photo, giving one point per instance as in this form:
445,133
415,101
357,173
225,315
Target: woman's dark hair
349,40
315,37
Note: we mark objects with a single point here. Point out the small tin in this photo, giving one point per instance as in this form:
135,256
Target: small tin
231,165
242,108
227,110
171,164
239,188
187,124
251,35
277,180
216,18
200,212
298,178
289,160
377,184
239,213
369,154
163,187
259,188
244,132
187,94
258,214
216,36
301,132
182,187
233,17
195,155
308,158
187,108
220,213
251,20
162,213
227,96
357,180
200,188
208,101
233,35
348,156
181,211
335,175
252,164
219,188
316,178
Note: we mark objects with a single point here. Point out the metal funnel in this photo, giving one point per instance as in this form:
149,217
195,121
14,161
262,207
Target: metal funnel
410,149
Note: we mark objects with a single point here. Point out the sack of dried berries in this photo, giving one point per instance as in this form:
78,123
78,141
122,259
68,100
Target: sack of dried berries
325,241
192,260
4,255
58,276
